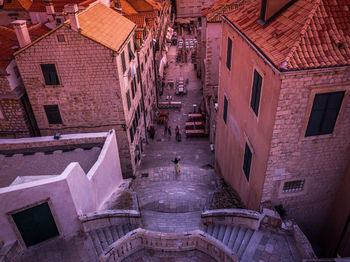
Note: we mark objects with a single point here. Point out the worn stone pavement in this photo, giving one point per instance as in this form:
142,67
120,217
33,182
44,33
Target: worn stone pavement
171,203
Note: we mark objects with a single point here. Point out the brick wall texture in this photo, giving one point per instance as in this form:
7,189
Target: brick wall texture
320,160
92,91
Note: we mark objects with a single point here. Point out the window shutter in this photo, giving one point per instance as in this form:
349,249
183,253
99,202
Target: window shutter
131,54
256,91
123,61
225,109
247,161
324,113
53,114
131,134
128,100
229,53
50,74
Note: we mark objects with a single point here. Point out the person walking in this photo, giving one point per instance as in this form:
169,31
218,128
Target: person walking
176,165
177,134
165,128
169,131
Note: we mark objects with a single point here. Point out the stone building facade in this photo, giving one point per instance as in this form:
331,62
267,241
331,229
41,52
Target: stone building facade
94,86
283,117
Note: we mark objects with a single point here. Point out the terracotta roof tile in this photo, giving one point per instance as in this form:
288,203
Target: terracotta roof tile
17,5
105,26
8,40
39,5
214,12
138,19
309,34
127,8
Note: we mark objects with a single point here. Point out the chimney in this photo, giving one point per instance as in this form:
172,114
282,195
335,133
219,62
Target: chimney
106,2
50,10
269,8
72,12
22,34
117,4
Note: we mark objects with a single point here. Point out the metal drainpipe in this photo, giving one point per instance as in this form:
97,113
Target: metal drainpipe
142,95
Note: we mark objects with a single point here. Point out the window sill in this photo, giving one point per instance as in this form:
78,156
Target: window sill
317,137
52,86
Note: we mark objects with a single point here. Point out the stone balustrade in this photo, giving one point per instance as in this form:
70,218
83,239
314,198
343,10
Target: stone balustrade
139,239
104,218
244,217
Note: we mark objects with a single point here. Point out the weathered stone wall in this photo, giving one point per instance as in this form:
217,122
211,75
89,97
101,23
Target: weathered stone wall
320,160
89,94
13,118
243,126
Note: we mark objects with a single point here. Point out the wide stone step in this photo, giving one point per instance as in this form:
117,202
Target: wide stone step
103,237
234,237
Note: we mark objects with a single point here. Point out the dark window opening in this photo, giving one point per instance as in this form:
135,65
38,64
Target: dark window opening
324,113
50,74
123,61
225,109
256,92
229,53
131,134
15,69
128,100
53,114
131,53
61,38
247,161
36,224
133,88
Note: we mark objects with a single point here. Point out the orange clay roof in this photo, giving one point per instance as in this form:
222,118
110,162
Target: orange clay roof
17,5
8,40
105,26
214,12
138,19
141,5
308,34
127,8
39,5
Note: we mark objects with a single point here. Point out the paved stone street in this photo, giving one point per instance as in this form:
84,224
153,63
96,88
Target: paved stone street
172,203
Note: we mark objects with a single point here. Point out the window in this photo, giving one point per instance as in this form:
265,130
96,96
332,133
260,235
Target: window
247,161
148,51
145,58
324,113
15,69
128,100
138,74
50,74
229,53
123,62
133,88
131,54
58,21
61,38
225,109
136,46
9,1
256,91
131,134
53,114
293,186
36,224
142,67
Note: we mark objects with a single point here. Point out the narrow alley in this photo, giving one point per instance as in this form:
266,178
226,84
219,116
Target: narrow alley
171,203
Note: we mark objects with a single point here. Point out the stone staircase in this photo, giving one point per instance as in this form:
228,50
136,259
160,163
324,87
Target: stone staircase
103,237
234,237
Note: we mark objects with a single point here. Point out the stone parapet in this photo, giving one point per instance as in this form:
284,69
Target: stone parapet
139,239
244,217
37,143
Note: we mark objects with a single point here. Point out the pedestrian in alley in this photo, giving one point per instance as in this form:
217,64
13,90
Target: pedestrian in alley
176,165
165,128
152,132
169,132
177,134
